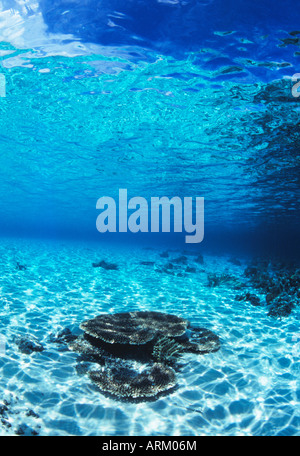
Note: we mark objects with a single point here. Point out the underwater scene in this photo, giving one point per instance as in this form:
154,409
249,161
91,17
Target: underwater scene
149,218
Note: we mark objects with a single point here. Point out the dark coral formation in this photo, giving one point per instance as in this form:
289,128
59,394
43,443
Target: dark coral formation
91,347
103,264
199,259
190,269
127,383
179,266
134,328
196,340
281,306
28,345
215,280
200,341
279,282
62,336
252,298
122,341
9,408
234,261
166,349
168,268
164,254
4,415
24,429
180,260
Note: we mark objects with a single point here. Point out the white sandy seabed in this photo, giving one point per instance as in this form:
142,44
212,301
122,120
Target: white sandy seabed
249,387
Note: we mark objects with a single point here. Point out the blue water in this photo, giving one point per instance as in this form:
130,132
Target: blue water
168,98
